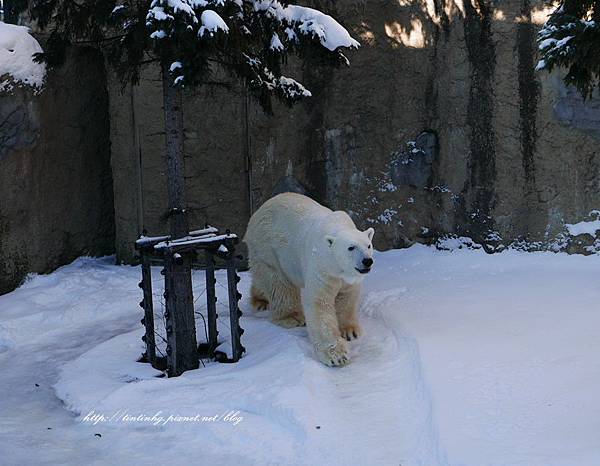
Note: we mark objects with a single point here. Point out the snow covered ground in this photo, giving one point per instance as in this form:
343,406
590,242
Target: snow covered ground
467,359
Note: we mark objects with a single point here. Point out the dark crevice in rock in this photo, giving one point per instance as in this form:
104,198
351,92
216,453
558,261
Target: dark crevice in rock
19,128
479,189
439,7
13,264
528,94
318,80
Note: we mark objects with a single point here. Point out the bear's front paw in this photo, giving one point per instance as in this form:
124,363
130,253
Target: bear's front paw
333,355
350,331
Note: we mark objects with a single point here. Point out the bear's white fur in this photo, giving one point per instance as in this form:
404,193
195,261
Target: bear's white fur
295,243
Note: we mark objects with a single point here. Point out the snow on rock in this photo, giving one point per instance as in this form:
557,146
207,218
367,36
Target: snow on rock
450,243
468,359
17,67
587,226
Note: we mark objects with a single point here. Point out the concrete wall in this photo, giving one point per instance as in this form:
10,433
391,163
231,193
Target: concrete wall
216,176
55,178
440,125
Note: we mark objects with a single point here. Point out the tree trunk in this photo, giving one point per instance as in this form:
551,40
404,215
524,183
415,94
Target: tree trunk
174,155
182,350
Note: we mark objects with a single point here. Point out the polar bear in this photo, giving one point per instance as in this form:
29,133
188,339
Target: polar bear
295,243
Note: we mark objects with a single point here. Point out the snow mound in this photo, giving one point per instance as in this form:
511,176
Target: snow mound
17,48
277,395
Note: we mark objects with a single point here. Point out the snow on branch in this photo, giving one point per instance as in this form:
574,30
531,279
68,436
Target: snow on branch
262,77
17,66
570,39
211,23
310,22
249,37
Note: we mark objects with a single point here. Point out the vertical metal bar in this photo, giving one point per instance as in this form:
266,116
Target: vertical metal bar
148,320
211,303
234,311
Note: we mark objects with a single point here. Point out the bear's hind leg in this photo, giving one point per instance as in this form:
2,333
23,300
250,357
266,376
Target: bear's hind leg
257,299
286,304
260,289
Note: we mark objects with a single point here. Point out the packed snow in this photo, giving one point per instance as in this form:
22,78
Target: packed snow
468,359
17,67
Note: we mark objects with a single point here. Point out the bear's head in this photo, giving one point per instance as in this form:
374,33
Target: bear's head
353,253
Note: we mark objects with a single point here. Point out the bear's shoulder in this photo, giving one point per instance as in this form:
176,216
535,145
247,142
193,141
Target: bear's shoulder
341,219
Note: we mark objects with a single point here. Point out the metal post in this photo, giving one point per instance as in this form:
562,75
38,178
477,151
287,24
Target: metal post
211,303
148,320
234,311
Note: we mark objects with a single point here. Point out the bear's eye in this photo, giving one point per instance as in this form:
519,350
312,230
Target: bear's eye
351,248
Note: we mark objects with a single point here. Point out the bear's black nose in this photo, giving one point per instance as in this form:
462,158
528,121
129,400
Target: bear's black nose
367,262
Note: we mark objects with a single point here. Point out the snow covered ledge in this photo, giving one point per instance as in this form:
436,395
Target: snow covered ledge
17,67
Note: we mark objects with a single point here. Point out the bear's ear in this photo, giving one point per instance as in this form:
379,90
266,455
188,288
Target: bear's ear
330,240
370,232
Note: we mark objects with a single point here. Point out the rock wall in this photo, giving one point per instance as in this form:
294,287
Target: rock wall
441,125
56,188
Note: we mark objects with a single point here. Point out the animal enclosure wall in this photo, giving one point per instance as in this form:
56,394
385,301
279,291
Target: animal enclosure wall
56,193
441,124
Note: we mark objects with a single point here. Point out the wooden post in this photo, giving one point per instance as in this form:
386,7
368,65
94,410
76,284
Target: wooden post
234,311
182,350
211,303
148,320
